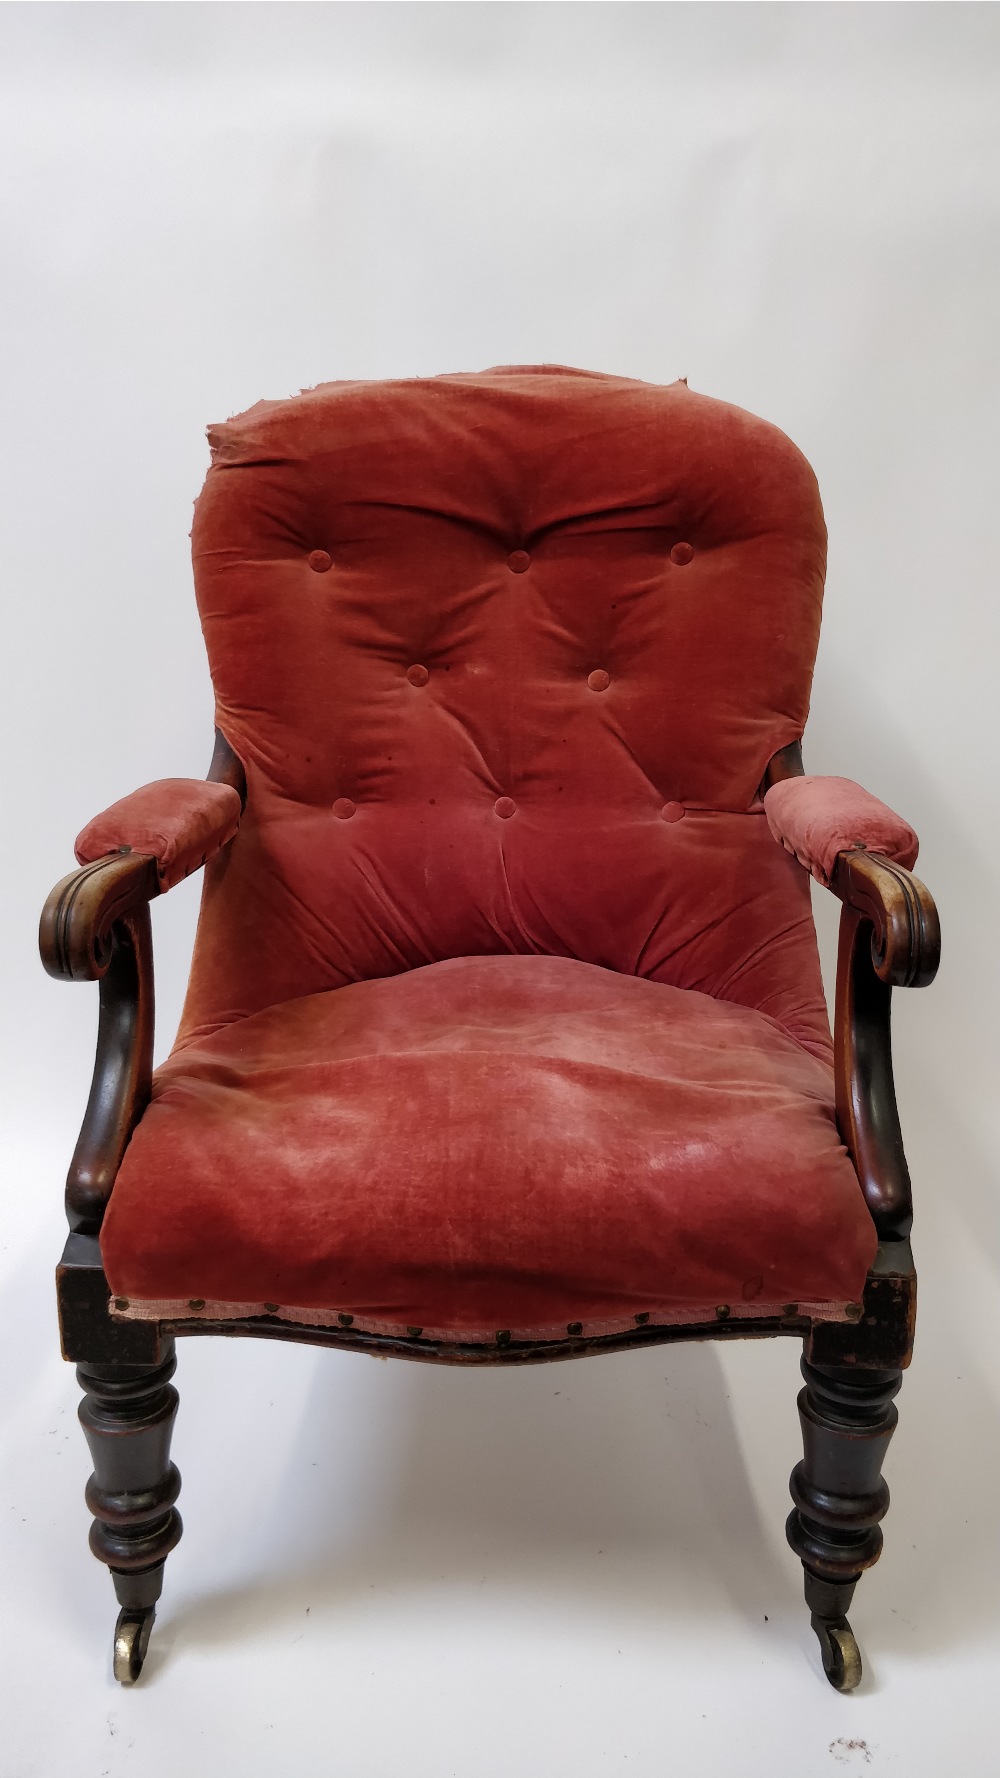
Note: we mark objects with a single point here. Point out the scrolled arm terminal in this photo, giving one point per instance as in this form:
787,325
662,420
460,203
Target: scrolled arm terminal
906,932
75,932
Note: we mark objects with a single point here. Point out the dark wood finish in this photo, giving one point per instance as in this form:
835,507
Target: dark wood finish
79,917
889,936
226,768
88,1333
95,926
138,1356
128,1416
848,1418
786,763
882,1336
123,1071
903,931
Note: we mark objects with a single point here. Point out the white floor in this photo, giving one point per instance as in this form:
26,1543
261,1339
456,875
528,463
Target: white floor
572,1571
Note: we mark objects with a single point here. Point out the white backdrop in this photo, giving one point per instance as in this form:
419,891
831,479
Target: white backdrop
797,207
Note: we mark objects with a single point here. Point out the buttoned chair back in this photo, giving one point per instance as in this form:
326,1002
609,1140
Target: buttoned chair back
505,657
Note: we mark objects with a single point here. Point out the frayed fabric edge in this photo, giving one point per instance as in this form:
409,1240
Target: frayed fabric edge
689,1314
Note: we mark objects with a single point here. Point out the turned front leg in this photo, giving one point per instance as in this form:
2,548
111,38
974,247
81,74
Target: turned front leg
848,1417
127,1415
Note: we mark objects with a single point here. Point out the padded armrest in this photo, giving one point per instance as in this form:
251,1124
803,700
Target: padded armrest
817,818
178,821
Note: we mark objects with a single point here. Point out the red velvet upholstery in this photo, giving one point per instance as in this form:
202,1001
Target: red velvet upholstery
815,818
505,657
492,1143
509,535
179,821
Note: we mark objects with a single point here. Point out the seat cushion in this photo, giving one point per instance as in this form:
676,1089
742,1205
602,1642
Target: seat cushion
486,1144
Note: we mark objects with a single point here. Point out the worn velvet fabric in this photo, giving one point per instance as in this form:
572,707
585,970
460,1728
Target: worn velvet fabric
504,1142
179,821
505,657
815,818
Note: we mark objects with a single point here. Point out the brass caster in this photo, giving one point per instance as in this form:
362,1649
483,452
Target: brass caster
131,1642
841,1655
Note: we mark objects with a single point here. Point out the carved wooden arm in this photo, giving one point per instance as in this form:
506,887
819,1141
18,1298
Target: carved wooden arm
95,926
889,937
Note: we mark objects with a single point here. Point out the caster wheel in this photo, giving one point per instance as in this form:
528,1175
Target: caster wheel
841,1655
131,1642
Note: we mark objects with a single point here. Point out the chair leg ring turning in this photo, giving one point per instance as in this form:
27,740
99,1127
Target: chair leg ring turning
848,1418
127,1415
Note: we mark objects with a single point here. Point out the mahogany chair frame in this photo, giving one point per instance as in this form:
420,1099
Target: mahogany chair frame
96,926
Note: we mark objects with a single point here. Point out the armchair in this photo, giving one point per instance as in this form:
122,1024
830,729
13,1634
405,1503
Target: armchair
505,1038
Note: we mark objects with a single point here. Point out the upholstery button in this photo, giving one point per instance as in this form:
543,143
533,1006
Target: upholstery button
343,808
599,681
518,561
504,807
681,554
417,675
319,561
672,812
